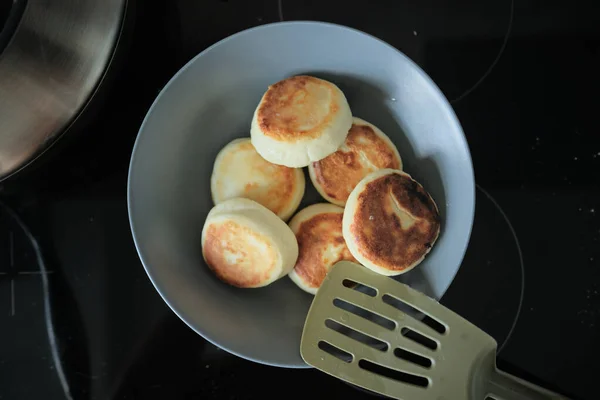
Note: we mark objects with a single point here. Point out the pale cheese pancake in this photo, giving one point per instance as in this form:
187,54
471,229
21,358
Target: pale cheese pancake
300,120
239,171
239,255
247,245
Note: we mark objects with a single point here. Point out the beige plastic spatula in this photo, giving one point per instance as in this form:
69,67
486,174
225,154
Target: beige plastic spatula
381,335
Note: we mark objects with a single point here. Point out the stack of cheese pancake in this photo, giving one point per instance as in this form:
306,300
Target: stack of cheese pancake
376,214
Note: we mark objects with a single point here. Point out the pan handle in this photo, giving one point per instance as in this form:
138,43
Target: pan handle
503,386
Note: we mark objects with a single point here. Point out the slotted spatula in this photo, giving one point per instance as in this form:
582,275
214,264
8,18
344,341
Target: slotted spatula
381,335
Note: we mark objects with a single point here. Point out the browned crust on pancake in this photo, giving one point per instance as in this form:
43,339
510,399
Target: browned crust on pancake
315,236
278,195
229,236
289,94
378,231
339,173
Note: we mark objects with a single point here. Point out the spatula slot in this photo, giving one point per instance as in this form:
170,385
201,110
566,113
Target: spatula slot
366,314
426,319
413,358
433,324
417,337
356,335
336,352
359,287
393,374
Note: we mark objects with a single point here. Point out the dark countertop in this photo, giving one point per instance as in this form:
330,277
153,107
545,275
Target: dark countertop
522,78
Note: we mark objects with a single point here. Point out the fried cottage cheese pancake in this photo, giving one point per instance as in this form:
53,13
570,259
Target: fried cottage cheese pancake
318,229
300,120
239,171
390,222
366,149
246,245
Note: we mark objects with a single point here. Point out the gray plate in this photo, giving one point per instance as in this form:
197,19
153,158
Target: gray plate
211,100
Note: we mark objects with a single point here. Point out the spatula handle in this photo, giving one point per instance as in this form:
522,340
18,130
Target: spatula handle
503,386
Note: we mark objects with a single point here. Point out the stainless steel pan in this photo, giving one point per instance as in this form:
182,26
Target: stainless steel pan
54,59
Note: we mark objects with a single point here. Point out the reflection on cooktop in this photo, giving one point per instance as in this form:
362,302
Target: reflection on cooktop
27,329
489,286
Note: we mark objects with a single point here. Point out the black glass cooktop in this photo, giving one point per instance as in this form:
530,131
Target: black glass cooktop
80,319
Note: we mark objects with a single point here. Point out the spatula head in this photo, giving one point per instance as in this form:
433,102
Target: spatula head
381,335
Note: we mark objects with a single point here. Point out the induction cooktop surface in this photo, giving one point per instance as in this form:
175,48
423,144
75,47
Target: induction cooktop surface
81,319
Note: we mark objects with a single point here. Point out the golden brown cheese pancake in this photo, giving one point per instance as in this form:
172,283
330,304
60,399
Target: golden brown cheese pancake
246,245
390,222
239,171
300,120
318,229
366,149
